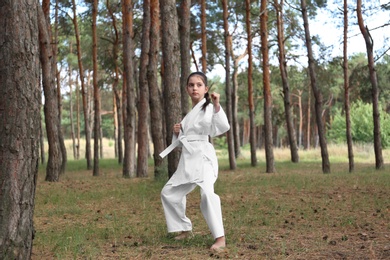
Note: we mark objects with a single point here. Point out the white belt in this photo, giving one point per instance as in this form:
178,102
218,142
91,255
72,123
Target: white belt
184,140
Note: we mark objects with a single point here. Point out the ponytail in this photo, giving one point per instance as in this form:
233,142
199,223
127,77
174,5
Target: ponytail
208,101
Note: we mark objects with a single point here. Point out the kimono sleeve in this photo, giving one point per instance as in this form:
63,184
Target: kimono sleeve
220,123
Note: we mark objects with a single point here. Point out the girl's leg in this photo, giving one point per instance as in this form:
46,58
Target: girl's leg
210,204
174,203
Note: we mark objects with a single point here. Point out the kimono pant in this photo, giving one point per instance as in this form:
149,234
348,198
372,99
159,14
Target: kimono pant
174,203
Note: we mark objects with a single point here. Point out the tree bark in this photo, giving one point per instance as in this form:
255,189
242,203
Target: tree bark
316,92
379,164
155,97
96,91
84,90
252,125
346,91
171,81
203,35
20,99
129,137
286,86
117,94
228,90
269,153
185,55
53,168
143,102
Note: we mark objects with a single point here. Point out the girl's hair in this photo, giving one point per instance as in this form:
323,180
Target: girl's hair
204,79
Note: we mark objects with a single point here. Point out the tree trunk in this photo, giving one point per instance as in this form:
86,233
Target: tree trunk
20,99
379,164
71,108
143,102
84,90
316,92
117,95
171,81
155,100
228,90
252,127
346,91
96,92
185,55
203,35
286,86
235,124
269,153
78,119
129,137
53,168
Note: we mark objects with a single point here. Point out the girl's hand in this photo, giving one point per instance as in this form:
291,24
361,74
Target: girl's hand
215,99
176,129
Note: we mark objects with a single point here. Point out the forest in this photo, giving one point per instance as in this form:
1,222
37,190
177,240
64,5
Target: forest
294,105
117,70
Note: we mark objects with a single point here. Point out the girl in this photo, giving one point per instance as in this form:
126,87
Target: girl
198,165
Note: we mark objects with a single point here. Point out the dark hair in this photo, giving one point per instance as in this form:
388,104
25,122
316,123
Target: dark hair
204,79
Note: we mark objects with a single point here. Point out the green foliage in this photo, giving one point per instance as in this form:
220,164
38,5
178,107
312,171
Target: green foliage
362,126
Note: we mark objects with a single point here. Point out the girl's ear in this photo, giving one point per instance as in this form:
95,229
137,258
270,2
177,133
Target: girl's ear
207,89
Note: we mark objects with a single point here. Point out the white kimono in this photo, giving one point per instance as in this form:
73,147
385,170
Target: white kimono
198,166
197,125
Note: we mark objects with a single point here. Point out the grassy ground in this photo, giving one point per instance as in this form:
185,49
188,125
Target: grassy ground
296,213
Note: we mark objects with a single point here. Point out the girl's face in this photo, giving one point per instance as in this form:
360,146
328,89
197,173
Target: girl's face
196,89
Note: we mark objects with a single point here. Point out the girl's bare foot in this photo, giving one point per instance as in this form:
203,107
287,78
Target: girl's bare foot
184,235
219,244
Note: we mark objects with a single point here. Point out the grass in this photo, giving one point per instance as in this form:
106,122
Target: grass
295,213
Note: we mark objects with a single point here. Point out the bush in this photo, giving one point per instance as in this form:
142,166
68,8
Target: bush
362,125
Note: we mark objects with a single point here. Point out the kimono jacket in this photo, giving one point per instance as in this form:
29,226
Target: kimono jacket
197,126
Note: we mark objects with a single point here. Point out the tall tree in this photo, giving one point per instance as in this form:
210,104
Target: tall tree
20,97
117,94
185,55
374,86
203,34
286,86
53,168
316,91
143,101
84,91
155,96
251,110
129,125
228,90
171,81
346,91
269,153
96,91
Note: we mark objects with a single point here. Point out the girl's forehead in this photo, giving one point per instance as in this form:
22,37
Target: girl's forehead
195,79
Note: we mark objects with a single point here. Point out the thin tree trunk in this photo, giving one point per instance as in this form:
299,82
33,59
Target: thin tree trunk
155,97
129,137
252,126
71,107
235,124
346,94
117,95
143,102
20,97
53,168
228,90
316,92
78,119
96,92
269,153
185,55
171,81
84,90
203,35
379,164
286,86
